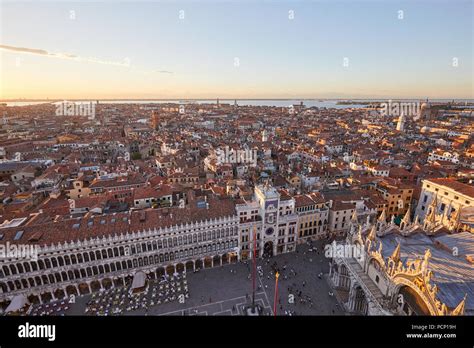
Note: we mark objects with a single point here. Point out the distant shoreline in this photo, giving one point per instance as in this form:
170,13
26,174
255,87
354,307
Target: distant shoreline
353,101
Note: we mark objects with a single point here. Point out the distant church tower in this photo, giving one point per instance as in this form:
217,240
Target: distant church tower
154,120
401,123
425,110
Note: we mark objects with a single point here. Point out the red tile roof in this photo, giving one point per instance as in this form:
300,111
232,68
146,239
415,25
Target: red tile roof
457,186
99,226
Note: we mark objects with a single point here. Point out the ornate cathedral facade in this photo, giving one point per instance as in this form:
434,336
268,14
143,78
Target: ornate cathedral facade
405,269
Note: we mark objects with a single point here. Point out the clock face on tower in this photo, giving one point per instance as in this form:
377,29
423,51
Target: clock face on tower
269,231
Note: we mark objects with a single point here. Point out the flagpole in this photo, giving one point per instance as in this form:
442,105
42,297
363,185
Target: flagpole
254,263
276,294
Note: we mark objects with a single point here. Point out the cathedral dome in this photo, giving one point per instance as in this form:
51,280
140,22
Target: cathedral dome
425,105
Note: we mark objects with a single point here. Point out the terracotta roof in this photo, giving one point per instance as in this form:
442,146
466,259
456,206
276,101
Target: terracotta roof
120,181
144,192
457,186
99,226
302,200
89,202
309,199
338,205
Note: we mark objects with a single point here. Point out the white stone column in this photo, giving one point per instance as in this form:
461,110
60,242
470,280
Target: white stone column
350,302
336,278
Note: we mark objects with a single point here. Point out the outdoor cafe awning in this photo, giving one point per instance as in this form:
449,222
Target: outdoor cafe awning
18,302
138,280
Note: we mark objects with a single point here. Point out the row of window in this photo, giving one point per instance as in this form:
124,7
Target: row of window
425,198
95,270
66,260
54,262
319,223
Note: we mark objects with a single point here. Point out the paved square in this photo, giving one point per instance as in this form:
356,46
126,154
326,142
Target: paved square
226,290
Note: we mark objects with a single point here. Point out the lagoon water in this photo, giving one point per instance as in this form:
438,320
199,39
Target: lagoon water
321,103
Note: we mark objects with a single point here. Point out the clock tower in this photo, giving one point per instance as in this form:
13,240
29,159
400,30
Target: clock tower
268,199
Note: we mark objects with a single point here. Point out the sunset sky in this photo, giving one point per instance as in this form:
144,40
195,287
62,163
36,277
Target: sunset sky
236,49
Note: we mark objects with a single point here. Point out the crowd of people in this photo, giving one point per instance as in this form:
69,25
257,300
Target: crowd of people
117,301
52,308
288,278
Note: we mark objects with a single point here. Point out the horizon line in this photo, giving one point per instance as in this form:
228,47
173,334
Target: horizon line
217,98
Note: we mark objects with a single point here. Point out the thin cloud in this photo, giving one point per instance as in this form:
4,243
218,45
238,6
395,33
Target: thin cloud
44,53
